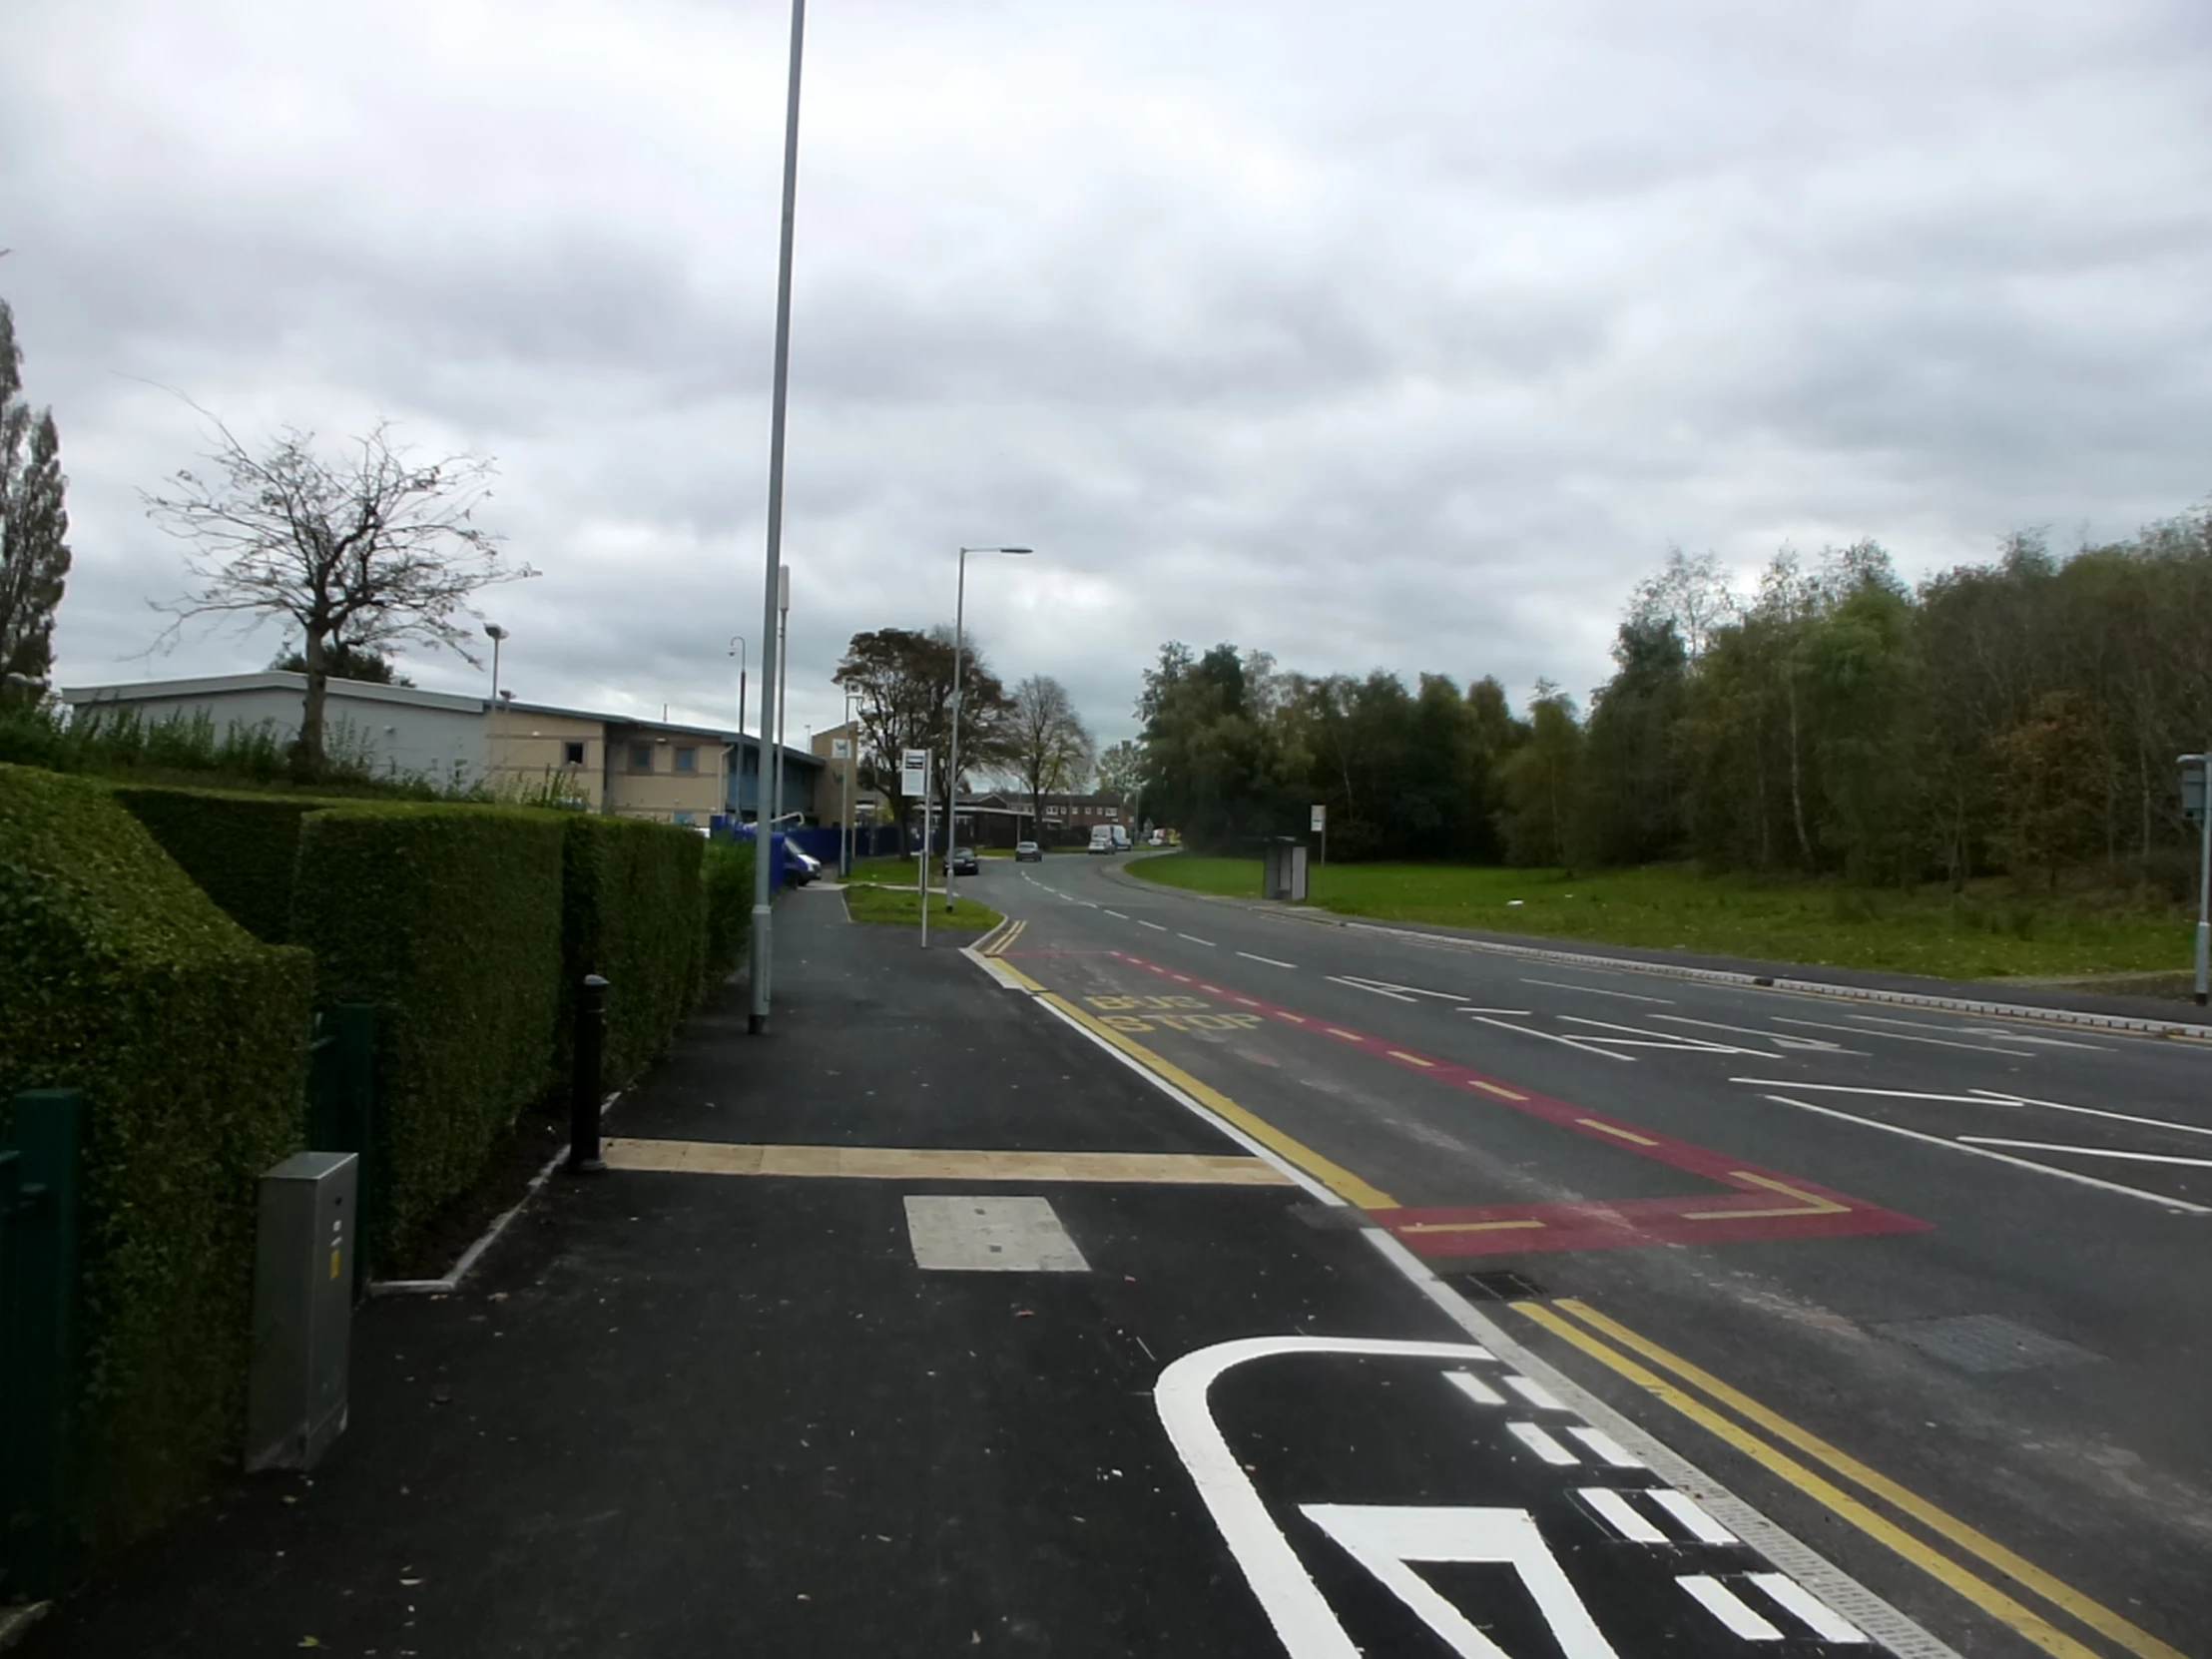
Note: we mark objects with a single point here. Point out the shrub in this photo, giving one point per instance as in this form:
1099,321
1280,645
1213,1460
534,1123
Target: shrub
242,850
633,912
727,874
118,976
448,917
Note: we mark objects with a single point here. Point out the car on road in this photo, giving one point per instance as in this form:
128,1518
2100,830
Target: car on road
1028,853
1121,838
1102,839
800,868
965,862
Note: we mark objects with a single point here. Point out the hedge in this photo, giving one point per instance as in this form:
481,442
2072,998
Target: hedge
242,850
634,911
448,917
727,874
118,976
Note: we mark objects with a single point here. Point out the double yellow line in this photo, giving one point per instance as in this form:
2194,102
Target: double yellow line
1583,1325
997,946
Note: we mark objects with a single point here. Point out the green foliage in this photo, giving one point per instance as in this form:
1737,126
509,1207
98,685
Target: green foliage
34,522
185,747
448,917
118,976
896,907
242,850
1983,934
726,873
634,911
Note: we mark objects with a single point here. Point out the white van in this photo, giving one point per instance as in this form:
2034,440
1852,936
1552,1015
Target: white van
1121,838
1102,838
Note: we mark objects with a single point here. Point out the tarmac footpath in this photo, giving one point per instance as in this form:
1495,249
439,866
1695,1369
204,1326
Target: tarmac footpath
929,1325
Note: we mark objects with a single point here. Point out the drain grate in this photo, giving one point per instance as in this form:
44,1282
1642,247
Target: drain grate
1499,1285
1332,1218
1986,1344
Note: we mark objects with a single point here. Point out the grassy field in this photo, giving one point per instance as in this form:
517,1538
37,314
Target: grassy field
1985,934
891,907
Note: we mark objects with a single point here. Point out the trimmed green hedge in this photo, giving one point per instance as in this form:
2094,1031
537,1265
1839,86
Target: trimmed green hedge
120,977
448,917
634,913
242,850
727,874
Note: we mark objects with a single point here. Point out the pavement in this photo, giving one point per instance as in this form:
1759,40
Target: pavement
1164,1278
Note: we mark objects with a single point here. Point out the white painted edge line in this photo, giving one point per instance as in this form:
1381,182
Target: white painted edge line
1753,981
1892,1629
1002,975
475,1252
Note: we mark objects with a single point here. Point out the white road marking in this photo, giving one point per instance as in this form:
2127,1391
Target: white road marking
1625,997
1719,1600
1474,1387
1901,1037
1606,1448
1701,1526
1373,990
1554,1037
1115,913
1517,1013
2089,1151
1155,926
1615,1511
1782,1038
1269,960
1830,1626
1194,938
2003,1033
1992,1097
989,1235
2075,1176
1392,985
1534,1393
1542,1444
1643,1038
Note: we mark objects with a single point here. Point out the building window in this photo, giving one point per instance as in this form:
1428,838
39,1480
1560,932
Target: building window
641,757
1111,812
572,753
687,760
683,819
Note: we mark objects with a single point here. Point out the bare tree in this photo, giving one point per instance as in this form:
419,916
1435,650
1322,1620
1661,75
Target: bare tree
1046,741
360,553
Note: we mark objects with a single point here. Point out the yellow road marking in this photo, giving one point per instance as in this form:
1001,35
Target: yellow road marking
901,1163
1411,1059
1615,1129
2022,1571
1335,1176
1465,1226
1812,1205
1492,1088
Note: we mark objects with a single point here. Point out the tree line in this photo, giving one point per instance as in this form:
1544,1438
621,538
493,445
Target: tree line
2020,716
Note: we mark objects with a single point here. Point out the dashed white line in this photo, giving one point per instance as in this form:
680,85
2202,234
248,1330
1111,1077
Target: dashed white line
1155,926
1474,1387
1720,1601
1542,1444
1194,938
1615,1511
2089,1151
1269,960
1534,1393
1701,1526
1606,1447
1827,1624
1114,913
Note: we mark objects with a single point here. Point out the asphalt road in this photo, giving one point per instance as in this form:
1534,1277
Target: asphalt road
1928,1289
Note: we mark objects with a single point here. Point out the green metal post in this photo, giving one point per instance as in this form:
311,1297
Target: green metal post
341,1110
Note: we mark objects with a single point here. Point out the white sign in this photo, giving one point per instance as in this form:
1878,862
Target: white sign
913,772
840,749
1321,819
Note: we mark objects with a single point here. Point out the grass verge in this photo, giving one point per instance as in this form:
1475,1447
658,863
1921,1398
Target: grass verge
1988,933
894,907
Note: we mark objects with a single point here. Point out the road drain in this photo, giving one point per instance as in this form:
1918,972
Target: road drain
1499,1284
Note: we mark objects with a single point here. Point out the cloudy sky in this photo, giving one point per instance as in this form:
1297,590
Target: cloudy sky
1397,334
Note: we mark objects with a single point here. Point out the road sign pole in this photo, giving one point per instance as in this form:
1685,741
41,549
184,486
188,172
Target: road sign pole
2204,876
921,875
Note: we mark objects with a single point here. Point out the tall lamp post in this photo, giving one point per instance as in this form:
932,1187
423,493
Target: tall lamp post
739,650
757,1018
852,760
953,774
497,635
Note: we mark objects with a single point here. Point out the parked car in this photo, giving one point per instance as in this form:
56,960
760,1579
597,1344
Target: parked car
965,862
1102,839
1121,838
800,868
1028,853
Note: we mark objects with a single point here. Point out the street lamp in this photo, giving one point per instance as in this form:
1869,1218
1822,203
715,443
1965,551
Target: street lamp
495,634
739,650
778,400
953,774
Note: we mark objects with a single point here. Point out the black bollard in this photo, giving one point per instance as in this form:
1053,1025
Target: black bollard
583,1083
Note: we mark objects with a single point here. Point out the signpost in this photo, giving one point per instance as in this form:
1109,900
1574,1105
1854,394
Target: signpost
1321,829
913,780
2196,802
840,749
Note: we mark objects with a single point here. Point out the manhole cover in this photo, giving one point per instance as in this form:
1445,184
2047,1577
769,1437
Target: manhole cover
1499,1285
1986,1343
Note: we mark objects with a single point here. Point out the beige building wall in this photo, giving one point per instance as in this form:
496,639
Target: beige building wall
829,797
660,787
527,752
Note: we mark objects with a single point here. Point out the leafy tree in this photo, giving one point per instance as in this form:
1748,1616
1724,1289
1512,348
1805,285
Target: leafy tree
365,551
1630,811
34,522
901,683
1046,741
346,662
1121,771
1541,780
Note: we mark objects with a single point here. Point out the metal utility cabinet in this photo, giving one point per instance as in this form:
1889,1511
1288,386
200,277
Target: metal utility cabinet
1282,872
302,1310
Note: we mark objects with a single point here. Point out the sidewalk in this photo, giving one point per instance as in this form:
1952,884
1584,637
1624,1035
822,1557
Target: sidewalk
703,1414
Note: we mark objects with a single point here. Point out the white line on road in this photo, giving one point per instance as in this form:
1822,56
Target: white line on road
1115,913
1517,1013
1657,1039
1403,990
1996,1099
1701,1526
1996,1031
1542,1444
1376,990
1155,926
1793,1599
1607,1449
1269,960
2089,1151
1899,1036
1554,1037
1614,1510
1534,1393
1822,1045
1194,938
1474,1387
2075,1176
1625,997
1720,1601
